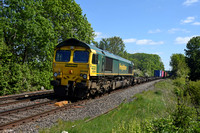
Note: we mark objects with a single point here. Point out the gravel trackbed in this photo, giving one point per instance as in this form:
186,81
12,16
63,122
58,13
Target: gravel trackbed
90,109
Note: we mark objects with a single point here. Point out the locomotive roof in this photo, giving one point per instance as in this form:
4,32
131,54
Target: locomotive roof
75,42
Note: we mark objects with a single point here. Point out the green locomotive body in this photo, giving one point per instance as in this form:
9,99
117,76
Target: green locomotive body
81,70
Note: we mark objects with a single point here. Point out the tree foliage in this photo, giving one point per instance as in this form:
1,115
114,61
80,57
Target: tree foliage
146,62
193,57
194,91
67,20
29,32
179,66
114,45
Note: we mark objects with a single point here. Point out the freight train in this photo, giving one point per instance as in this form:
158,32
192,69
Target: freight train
160,73
81,70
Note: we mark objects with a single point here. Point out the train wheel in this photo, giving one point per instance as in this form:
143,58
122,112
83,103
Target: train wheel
60,91
81,93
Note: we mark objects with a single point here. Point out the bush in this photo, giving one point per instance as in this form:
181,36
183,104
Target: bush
179,82
194,91
183,117
182,120
16,78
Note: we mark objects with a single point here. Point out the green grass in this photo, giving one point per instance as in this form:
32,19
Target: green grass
149,105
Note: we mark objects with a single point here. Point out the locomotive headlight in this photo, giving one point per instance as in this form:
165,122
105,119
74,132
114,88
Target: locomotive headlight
55,74
85,76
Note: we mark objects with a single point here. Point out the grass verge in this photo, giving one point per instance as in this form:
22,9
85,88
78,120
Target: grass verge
149,105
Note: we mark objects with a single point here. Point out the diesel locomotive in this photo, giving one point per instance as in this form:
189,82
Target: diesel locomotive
81,70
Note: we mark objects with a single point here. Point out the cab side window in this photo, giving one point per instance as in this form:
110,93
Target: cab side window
95,59
130,69
109,64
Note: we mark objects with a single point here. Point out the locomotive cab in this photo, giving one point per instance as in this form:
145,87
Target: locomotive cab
71,69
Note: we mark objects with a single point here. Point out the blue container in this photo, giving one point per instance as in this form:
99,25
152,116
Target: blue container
157,73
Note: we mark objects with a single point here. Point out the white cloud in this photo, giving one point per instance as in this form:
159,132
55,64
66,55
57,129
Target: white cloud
148,42
182,40
189,2
174,30
131,40
188,20
135,51
142,42
196,23
154,31
98,35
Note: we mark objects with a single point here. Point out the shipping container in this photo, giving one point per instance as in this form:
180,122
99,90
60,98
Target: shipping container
163,73
157,73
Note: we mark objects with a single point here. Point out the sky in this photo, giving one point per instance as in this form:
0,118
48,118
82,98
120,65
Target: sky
160,27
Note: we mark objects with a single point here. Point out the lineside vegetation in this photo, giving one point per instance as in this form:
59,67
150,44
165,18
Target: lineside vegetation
29,31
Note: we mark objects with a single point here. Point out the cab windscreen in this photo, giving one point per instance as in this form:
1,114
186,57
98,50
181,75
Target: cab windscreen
81,56
63,55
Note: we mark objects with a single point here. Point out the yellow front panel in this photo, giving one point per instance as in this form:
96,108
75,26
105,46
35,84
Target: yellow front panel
71,71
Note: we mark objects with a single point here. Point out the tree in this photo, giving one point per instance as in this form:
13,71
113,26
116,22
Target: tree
29,31
193,57
147,63
114,45
67,20
179,66
32,28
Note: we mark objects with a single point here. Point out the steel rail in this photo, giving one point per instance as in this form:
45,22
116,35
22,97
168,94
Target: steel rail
19,101
27,99
8,112
3,98
39,115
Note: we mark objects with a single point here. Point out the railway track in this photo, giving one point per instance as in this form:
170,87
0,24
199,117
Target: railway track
15,107
12,117
25,95
47,109
16,110
14,99
50,110
40,110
